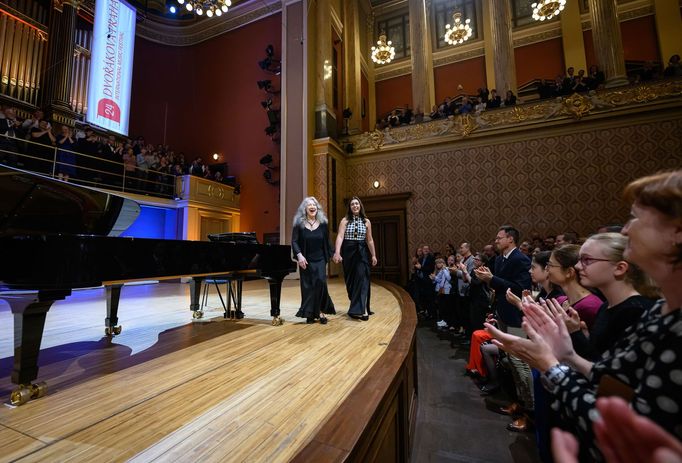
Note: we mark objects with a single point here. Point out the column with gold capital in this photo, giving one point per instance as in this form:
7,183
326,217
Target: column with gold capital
608,47
57,87
423,93
502,46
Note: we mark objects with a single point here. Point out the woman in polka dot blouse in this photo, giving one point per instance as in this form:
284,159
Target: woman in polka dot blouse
645,365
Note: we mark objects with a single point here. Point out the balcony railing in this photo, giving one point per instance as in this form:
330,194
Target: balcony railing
84,169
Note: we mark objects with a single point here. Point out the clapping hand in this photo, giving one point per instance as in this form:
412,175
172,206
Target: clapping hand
513,299
483,273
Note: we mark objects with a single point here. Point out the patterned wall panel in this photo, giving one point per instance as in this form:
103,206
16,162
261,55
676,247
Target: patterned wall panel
545,184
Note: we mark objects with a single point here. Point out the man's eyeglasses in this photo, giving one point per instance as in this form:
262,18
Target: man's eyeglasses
586,261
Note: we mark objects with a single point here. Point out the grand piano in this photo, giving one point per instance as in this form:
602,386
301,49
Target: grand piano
57,236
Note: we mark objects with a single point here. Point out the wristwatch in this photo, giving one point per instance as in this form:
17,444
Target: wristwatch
554,376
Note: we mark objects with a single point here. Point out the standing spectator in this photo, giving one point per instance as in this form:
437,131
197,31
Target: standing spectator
8,132
595,78
442,287
66,159
512,272
41,148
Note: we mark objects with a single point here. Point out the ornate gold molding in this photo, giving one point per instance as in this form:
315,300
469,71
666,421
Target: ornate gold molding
573,107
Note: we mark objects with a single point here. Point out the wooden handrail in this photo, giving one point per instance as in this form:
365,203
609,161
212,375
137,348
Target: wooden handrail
377,417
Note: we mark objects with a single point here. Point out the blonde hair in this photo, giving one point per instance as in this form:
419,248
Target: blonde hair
613,246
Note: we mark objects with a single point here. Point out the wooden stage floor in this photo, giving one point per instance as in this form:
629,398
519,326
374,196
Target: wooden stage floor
169,389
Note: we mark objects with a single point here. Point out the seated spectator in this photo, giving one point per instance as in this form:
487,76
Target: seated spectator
494,101
596,78
483,95
465,107
393,119
580,82
418,116
558,86
510,100
435,112
674,69
406,116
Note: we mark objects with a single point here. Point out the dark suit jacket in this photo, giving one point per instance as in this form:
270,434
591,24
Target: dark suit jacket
428,266
512,273
298,244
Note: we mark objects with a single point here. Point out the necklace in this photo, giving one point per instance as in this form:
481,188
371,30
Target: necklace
311,223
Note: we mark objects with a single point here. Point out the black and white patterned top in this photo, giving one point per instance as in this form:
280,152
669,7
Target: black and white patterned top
649,360
356,230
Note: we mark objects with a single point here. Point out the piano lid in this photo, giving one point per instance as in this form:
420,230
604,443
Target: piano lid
32,203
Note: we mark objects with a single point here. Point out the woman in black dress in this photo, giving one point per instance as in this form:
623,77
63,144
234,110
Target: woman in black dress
355,248
312,249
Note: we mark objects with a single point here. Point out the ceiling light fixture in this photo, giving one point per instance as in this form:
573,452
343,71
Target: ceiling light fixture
384,52
210,7
547,9
459,32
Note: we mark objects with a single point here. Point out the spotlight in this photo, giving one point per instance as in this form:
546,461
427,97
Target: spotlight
265,64
265,160
172,9
267,175
270,51
264,84
266,104
270,130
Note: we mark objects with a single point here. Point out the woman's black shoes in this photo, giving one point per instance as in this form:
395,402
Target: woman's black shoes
359,317
310,320
369,312
323,321
364,318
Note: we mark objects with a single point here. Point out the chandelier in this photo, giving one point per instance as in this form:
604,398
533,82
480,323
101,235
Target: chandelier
210,7
459,32
547,9
384,52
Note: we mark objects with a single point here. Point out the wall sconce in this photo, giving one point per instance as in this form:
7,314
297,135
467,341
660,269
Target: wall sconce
216,156
376,184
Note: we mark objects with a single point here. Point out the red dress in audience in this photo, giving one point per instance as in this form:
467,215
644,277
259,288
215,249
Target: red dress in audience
475,358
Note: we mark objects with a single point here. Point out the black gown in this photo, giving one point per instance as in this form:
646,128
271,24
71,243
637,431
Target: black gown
356,272
315,247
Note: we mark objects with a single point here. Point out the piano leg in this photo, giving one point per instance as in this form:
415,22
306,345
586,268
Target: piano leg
111,326
194,295
275,282
238,306
29,310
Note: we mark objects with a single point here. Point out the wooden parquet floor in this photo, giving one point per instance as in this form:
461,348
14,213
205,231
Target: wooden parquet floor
170,389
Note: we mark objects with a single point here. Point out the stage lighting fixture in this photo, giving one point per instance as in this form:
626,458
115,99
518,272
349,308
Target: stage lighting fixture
270,51
264,84
267,175
266,104
237,189
265,160
173,9
270,130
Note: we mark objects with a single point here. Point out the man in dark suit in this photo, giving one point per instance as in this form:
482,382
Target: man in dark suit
511,272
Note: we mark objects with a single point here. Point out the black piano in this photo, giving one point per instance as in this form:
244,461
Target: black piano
57,236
